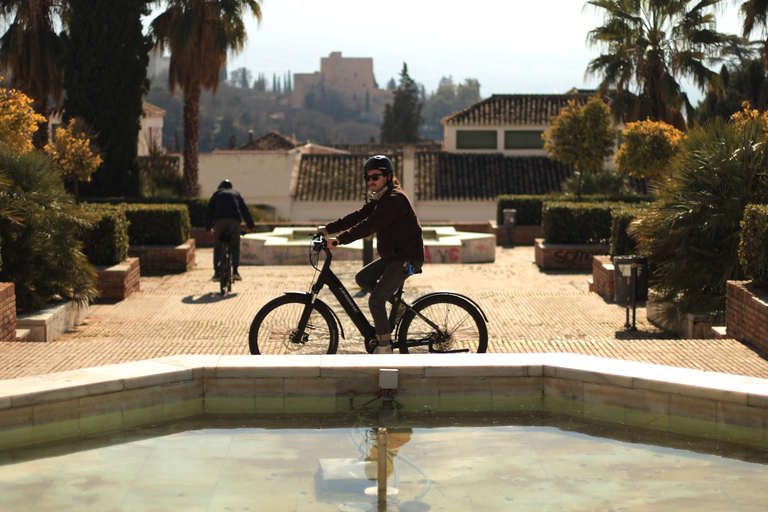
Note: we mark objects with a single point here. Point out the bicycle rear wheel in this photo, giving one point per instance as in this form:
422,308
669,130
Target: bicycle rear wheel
274,328
225,271
460,326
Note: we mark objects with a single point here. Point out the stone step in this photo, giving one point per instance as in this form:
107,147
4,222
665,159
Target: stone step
21,334
720,332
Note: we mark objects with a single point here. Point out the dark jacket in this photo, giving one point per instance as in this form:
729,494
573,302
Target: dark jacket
226,203
394,221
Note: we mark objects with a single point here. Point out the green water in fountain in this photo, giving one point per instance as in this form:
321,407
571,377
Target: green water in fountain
531,462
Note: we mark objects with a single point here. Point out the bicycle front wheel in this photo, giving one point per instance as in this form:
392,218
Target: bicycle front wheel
443,323
274,330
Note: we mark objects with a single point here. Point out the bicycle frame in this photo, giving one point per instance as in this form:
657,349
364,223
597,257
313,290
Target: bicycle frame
328,278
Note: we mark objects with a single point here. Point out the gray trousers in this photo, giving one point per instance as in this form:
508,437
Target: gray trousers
381,280
231,226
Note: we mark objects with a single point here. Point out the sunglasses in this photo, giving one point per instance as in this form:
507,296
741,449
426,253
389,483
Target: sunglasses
372,177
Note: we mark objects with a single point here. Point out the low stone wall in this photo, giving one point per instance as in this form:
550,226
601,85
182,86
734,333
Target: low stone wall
603,279
7,312
289,246
746,316
95,400
165,258
566,256
518,235
119,281
52,321
691,327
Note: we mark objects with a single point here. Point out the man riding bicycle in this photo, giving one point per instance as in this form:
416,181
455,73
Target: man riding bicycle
225,211
400,244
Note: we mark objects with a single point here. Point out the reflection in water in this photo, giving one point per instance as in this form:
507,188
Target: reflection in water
316,463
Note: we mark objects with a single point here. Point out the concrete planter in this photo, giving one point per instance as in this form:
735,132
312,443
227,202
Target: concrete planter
52,321
691,327
567,256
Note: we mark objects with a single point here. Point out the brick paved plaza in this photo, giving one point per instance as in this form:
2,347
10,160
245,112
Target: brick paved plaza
529,311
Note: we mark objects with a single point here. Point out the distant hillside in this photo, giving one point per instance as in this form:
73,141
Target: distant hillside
234,111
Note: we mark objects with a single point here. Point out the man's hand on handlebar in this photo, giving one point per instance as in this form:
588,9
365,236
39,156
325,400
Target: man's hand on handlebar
323,231
332,243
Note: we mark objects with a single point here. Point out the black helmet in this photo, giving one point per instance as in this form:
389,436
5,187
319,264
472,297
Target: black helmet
225,184
379,162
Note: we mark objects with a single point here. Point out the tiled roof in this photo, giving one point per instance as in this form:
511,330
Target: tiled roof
439,176
151,110
455,176
272,141
332,178
516,109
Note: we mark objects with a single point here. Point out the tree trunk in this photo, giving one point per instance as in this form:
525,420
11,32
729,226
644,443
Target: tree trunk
191,137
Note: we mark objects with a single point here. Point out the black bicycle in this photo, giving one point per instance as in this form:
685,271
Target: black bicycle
225,263
301,323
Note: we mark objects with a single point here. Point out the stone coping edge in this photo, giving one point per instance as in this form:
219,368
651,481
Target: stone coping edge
92,400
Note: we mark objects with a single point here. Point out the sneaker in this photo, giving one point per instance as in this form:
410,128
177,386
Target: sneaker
215,277
236,277
383,349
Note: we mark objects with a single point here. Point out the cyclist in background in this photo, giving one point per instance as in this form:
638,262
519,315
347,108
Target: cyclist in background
226,209
400,244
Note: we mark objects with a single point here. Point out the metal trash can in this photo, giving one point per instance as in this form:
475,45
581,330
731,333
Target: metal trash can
510,221
622,293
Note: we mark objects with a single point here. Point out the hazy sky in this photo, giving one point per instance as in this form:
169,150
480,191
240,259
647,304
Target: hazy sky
510,46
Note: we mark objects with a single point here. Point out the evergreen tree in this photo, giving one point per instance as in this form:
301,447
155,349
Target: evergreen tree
403,117
105,79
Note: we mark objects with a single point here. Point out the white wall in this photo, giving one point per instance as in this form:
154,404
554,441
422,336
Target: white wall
266,177
150,126
262,177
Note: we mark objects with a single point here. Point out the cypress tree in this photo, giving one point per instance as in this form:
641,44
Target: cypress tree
403,117
105,78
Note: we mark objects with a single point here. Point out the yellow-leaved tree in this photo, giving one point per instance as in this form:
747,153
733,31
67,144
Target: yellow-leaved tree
647,148
18,121
74,154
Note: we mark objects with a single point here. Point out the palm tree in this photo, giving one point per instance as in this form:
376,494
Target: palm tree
648,45
691,232
199,34
756,15
32,50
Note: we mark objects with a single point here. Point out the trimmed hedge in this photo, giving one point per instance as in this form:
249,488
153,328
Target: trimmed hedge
753,248
621,217
106,243
161,224
195,205
576,223
529,208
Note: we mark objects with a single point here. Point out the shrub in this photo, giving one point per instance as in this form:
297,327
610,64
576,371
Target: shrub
622,243
753,248
41,251
647,148
106,243
161,224
691,233
576,223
